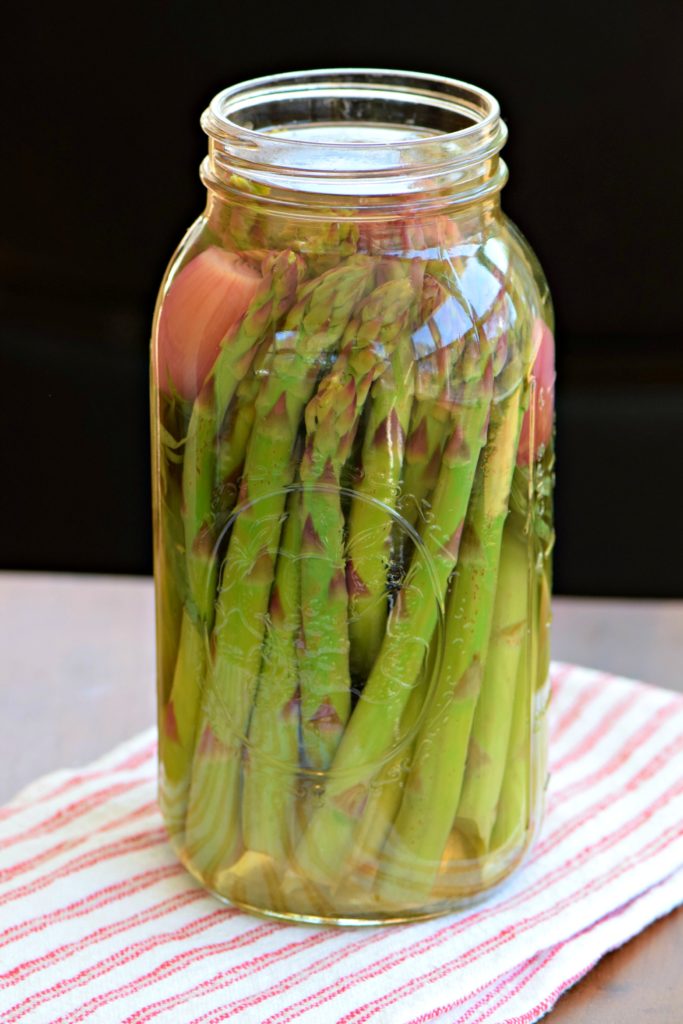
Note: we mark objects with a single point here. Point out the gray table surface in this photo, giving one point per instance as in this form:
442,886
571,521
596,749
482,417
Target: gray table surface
77,677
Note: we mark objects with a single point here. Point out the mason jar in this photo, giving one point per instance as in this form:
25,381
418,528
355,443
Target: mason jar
352,414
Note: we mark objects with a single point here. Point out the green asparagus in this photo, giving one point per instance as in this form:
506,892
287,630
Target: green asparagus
332,419
312,328
371,734
377,488
352,543
272,299
418,840
491,726
272,758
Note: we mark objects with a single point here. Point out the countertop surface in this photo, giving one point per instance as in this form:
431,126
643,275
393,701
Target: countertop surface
77,677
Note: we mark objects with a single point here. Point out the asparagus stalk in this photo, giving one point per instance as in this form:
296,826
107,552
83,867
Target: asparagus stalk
272,760
446,314
469,612
382,803
491,726
312,328
512,813
199,465
169,554
233,439
332,419
273,297
169,564
430,420
268,802
373,730
523,594
530,503
179,718
413,854
512,820
371,523
370,520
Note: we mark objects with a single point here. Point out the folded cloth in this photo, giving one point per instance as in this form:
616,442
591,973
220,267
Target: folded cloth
98,921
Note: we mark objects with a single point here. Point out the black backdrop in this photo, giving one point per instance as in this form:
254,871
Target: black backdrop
99,181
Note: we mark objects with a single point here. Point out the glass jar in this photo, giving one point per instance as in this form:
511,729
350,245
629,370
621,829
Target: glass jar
352,395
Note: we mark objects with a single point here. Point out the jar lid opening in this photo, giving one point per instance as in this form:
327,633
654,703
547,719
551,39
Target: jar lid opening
364,131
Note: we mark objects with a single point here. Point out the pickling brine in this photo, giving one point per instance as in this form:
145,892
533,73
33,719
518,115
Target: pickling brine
352,395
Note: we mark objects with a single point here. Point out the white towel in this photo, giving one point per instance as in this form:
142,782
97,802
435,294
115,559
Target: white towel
98,921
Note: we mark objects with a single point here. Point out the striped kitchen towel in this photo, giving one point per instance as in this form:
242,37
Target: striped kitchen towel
98,922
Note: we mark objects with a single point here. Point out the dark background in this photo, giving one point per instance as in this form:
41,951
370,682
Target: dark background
99,181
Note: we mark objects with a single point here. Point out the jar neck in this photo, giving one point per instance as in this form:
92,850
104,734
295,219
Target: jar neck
354,141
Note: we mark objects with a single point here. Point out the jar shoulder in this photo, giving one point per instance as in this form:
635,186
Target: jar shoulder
197,237
525,264
474,254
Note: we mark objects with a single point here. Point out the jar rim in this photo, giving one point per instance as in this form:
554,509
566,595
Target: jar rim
420,125
448,92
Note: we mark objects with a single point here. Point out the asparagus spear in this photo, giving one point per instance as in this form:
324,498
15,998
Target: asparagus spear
179,717
268,803
526,543
170,589
273,297
233,439
272,761
447,724
447,314
491,726
332,419
430,420
513,827
312,328
377,489
374,728
512,813
416,846
371,523
530,507
382,803
169,426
